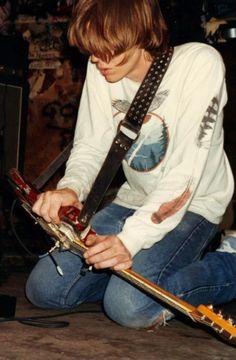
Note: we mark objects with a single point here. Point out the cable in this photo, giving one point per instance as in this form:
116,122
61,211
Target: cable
36,256
15,232
42,321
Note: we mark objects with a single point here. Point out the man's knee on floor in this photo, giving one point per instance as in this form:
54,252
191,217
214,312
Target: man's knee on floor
129,307
125,314
120,310
38,293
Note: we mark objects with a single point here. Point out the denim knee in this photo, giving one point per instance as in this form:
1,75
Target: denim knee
45,287
34,293
129,306
39,294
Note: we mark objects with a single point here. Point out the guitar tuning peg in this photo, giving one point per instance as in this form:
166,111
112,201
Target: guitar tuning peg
210,307
220,314
230,321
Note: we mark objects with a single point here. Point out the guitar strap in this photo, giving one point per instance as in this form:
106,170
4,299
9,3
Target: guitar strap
127,134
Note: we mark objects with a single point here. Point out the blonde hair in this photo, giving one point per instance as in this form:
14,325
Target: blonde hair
110,27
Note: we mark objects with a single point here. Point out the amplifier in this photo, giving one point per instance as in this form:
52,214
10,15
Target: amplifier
12,126
14,91
7,306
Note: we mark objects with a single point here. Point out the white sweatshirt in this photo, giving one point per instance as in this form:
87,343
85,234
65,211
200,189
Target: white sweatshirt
177,164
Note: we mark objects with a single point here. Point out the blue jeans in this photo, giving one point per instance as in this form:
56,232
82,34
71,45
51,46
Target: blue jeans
122,302
211,280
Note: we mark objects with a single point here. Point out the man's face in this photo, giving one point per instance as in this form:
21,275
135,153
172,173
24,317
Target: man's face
129,64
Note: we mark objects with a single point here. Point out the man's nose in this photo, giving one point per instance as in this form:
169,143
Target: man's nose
96,60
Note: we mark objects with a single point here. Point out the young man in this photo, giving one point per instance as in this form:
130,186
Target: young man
178,178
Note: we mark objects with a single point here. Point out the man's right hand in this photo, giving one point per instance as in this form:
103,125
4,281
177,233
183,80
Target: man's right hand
49,203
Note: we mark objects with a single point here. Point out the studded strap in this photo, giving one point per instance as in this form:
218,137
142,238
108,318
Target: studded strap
147,90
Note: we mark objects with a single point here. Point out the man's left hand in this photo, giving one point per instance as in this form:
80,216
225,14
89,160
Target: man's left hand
107,251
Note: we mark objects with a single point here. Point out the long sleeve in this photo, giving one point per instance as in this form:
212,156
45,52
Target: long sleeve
93,135
195,174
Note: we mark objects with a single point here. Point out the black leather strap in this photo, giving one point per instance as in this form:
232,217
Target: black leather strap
127,133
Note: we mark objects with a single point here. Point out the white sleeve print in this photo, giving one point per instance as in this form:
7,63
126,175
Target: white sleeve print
198,143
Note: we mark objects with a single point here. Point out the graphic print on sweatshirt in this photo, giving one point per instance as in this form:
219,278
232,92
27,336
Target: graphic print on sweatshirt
208,124
150,148
178,201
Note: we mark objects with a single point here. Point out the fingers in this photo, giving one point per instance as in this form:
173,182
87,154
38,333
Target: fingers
49,203
48,206
78,205
94,239
123,265
107,252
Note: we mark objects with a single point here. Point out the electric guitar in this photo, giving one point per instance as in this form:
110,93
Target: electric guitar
70,234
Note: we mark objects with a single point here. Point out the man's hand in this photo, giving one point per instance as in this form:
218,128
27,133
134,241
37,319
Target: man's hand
49,203
107,252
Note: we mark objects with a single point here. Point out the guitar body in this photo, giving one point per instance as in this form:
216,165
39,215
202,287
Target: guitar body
70,234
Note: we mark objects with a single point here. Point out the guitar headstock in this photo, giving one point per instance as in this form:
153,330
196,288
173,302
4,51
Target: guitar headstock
27,194
20,187
225,328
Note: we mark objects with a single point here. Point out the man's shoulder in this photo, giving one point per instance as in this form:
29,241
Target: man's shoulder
193,49
200,54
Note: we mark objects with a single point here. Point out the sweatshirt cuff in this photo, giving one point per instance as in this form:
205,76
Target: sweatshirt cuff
132,246
72,186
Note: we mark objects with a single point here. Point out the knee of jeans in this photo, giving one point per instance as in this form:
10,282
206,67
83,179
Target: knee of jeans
120,310
128,307
39,293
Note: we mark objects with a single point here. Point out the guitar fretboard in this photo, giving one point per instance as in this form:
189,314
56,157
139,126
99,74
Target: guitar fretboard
148,287
156,291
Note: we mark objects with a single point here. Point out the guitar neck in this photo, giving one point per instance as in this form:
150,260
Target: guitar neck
148,286
156,291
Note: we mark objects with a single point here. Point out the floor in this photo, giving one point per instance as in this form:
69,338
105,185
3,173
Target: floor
91,335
